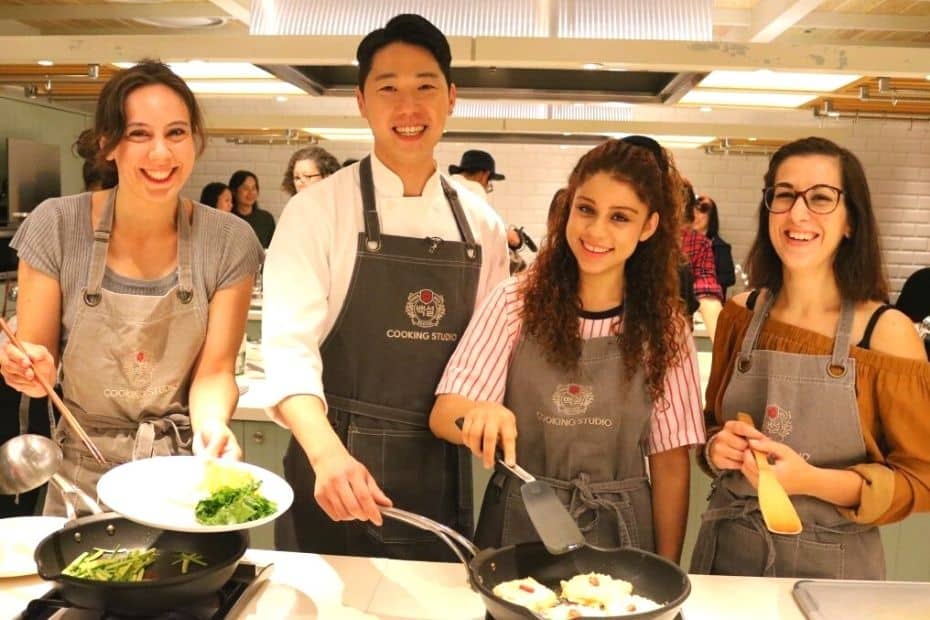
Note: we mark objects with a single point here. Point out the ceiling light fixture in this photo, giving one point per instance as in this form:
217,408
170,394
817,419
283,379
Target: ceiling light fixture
768,80
243,87
706,108
701,96
45,63
280,98
592,66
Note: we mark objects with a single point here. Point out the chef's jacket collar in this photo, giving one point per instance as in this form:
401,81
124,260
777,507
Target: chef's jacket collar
388,183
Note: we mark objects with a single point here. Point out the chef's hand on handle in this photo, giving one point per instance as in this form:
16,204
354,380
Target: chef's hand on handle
345,489
730,445
214,439
19,371
483,426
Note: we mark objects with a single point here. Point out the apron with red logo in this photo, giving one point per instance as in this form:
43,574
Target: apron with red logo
408,303
126,367
584,433
807,402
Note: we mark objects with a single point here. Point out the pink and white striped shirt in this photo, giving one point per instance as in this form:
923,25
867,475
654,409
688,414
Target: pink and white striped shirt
478,368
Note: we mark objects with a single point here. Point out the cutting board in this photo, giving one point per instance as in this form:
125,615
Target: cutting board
863,600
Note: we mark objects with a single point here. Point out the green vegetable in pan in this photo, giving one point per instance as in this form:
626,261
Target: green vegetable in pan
186,559
234,504
111,564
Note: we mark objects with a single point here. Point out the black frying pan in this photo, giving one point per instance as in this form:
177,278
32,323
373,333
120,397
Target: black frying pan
652,576
164,587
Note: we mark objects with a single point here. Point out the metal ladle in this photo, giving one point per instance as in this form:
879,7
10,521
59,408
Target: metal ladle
29,461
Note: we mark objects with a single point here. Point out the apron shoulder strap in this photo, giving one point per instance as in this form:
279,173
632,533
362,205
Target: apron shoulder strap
759,315
452,197
839,360
98,259
369,211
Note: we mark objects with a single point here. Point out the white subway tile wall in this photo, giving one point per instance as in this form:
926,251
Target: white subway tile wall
896,157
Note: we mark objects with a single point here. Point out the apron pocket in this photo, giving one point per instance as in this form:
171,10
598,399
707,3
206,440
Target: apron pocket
412,468
740,551
804,558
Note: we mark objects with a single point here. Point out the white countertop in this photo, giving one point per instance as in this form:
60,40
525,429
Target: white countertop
309,586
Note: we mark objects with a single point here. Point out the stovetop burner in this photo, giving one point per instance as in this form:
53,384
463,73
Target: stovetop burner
214,607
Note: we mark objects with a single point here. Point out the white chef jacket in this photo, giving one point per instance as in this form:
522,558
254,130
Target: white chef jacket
474,187
312,255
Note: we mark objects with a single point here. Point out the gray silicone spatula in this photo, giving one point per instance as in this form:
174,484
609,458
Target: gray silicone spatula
556,528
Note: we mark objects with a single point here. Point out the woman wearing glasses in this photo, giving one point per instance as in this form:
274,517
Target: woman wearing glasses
835,381
308,166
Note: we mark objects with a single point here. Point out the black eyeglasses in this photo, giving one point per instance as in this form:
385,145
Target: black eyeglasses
305,178
821,198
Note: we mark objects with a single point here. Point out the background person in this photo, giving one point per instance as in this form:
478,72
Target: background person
704,218
308,165
217,195
700,254
244,187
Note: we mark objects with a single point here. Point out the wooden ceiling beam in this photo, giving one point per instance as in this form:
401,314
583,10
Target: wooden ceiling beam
771,18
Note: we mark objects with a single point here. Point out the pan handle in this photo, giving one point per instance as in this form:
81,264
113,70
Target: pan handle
444,532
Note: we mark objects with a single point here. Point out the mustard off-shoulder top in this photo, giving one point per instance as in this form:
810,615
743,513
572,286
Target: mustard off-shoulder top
893,395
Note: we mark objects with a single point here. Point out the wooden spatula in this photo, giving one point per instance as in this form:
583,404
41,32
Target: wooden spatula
777,510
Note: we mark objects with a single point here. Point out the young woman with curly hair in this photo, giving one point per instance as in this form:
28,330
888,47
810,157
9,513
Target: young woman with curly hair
582,367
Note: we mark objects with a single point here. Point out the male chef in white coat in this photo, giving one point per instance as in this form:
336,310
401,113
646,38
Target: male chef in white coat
371,278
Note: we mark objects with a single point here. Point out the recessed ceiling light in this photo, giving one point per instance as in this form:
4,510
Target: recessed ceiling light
45,63
768,80
280,98
243,87
706,108
752,139
591,66
749,99
212,70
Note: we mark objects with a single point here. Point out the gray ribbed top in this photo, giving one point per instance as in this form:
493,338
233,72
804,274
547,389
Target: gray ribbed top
57,239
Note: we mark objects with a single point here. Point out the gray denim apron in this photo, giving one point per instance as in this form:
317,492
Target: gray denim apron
126,367
408,302
807,402
583,433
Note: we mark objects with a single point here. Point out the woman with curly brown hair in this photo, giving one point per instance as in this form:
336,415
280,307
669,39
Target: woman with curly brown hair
588,357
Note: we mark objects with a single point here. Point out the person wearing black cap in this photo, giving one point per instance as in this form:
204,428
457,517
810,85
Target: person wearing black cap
371,278
476,172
